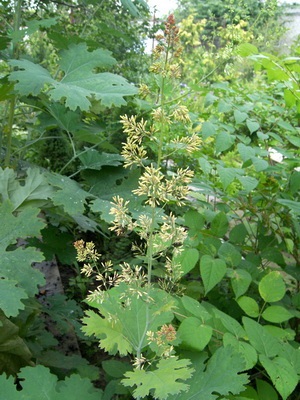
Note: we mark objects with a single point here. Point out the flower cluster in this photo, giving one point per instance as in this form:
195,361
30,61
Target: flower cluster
163,339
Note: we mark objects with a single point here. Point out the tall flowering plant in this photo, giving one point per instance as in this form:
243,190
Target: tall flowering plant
135,307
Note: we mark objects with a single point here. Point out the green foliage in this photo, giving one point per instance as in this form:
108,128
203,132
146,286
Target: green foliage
39,383
162,381
78,83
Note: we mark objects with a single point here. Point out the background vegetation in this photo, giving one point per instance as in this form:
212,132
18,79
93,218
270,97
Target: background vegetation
166,186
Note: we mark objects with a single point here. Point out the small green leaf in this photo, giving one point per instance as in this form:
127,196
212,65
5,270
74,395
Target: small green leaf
246,49
224,141
240,282
249,306
195,308
212,271
188,258
272,287
208,129
238,234
246,152
240,116
194,334
282,374
219,225
229,254
252,125
265,390
249,183
276,314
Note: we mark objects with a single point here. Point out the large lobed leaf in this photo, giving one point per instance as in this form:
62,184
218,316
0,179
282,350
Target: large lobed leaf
80,82
221,376
165,380
18,279
122,327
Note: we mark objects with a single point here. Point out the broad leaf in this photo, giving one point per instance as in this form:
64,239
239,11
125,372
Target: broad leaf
249,306
221,376
245,349
272,287
260,339
212,271
19,281
240,281
163,381
79,84
282,374
121,327
194,334
276,314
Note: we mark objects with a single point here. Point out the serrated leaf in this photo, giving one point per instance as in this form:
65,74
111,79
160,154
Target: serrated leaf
221,377
194,334
11,296
276,314
120,328
212,271
92,159
272,287
79,84
282,374
39,384
14,352
164,381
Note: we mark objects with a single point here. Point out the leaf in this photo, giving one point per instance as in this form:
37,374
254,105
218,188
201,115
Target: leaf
229,254
246,49
227,175
260,339
35,188
187,259
265,390
221,377
224,141
245,349
294,206
92,159
276,314
115,368
239,116
282,374
17,278
39,384
194,334
69,194
212,271
252,125
219,225
240,281
272,287
162,382
208,129
193,307
249,183
14,353
249,306
79,84
246,152
121,327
